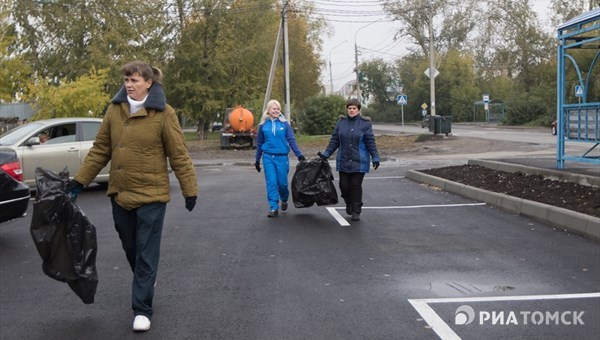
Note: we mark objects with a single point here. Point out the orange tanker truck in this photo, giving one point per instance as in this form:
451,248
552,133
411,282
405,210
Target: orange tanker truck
238,128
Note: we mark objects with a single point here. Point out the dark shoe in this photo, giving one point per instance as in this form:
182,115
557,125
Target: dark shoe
355,216
348,209
273,213
357,208
284,206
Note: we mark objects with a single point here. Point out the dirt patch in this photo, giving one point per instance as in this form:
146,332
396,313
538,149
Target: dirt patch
397,146
386,145
571,196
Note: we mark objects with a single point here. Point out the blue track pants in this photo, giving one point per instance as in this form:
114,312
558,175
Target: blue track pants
276,168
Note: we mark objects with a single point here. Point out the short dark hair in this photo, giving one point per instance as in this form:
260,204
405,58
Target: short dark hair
353,102
145,70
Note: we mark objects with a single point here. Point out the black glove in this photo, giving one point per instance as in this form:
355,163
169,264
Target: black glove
257,166
190,203
301,159
375,165
322,155
73,189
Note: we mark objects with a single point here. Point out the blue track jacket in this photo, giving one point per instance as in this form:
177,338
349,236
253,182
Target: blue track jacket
275,137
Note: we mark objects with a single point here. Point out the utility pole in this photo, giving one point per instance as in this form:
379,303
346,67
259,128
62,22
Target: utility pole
286,62
358,95
273,67
330,71
431,60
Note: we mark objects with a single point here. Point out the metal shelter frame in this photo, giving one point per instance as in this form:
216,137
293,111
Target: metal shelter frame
579,121
494,114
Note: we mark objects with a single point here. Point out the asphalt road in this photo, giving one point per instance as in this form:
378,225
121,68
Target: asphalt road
533,136
517,134
403,272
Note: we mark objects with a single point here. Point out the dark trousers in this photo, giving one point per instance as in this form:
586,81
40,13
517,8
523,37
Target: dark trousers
351,188
140,232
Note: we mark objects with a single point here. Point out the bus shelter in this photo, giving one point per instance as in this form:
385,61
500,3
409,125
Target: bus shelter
493,114
578,92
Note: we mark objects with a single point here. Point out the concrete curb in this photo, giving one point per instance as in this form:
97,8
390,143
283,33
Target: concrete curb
232,162
548,173
582,224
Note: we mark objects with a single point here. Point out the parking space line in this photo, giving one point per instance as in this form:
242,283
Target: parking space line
342,221
436,323
427,206
443,330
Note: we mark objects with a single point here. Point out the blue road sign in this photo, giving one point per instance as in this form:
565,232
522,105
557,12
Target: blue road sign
402,99
578,91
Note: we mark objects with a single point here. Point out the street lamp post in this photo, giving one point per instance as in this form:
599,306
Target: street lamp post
330,71
431,61
359,96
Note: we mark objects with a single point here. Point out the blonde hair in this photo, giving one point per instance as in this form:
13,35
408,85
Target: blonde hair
265,114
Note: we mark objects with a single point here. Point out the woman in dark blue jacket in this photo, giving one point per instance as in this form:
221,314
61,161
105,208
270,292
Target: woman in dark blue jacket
273,142
353,136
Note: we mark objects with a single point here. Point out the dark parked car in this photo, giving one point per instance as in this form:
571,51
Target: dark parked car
216,126
14,194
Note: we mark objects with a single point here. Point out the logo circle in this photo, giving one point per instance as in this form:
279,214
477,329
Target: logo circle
464,315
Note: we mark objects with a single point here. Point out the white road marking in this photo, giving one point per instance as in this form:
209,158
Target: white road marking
421,206
433,320
428,206
443,330
342,221
387,177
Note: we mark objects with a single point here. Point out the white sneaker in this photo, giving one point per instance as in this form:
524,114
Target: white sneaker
141,323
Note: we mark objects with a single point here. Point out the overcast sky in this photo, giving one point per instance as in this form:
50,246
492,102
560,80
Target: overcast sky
375,39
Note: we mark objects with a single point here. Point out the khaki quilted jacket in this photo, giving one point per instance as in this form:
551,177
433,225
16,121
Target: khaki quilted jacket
138,147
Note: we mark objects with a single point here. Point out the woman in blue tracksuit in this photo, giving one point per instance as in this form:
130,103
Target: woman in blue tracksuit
273,143
353,136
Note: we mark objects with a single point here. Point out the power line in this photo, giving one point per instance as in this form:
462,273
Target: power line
346,4
376,2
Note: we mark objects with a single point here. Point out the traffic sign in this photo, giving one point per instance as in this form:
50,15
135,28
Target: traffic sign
435,73
424,106
402,99
578,91
486,98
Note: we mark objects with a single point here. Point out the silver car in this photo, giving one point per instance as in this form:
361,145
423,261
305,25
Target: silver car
54,144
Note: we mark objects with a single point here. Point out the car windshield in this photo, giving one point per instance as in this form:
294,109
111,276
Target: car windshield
15,134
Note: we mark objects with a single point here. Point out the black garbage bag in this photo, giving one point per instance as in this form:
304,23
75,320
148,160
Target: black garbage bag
63,235
313,183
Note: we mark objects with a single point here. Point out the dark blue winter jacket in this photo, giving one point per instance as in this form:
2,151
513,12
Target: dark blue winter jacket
354,138
275,137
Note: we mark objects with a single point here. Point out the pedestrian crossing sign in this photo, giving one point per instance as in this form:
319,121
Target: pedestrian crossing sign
578,91
402,99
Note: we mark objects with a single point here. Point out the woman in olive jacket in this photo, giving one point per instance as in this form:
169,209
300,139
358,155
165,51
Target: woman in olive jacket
140,131
354,139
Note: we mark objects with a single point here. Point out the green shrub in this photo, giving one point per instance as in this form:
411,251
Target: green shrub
321,114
